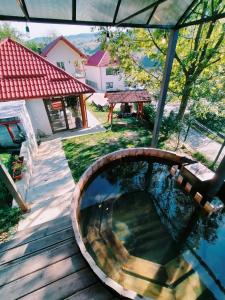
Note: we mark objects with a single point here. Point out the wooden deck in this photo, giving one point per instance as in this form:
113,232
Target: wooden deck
44,262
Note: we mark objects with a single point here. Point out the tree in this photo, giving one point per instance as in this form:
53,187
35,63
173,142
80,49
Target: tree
7,31
197,70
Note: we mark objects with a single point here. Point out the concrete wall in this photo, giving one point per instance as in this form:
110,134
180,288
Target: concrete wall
38,116
61,52
99,77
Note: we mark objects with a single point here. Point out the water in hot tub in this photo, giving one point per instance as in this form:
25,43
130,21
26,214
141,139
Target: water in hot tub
148,235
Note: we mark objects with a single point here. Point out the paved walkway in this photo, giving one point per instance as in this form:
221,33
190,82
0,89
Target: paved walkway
51,186
203,144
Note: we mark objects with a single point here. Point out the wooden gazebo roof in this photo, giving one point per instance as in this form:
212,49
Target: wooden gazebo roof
128,96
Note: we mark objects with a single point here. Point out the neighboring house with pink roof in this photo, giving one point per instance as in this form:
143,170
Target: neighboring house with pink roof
104,74
65,55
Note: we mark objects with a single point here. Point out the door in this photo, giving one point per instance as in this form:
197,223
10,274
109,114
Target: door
56,114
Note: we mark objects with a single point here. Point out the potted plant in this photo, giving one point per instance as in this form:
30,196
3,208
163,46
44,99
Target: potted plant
17,167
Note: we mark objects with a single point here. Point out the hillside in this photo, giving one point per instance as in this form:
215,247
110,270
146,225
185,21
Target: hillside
86,42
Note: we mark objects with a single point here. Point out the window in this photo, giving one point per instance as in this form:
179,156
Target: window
112,71
109,85
61,65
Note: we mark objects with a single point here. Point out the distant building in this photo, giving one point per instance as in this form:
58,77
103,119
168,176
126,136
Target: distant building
65,55
53,98
104,74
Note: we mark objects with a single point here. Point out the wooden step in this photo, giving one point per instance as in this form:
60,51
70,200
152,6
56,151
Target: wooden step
159,251
146,269
176,268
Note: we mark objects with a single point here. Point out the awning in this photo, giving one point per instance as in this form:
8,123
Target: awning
165,14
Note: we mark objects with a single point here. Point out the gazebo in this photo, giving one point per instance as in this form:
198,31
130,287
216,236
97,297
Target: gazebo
125,97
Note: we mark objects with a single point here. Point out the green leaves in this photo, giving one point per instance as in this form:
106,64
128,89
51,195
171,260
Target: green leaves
200,53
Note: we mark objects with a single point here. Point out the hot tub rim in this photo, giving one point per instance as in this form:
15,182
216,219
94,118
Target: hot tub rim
76,200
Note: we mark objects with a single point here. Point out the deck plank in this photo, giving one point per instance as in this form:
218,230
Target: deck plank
44,262
36,232
42,277
39,261
34,246
95,292
65,287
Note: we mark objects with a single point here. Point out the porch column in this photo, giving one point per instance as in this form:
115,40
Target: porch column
12,188
164,85
83,111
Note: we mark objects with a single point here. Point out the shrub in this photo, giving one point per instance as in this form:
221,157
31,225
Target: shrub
213,121
170,124
9,218
149,112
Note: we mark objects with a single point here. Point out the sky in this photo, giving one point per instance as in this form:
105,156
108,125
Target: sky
40,29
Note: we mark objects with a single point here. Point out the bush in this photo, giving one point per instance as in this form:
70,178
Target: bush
9,218
5,196
170,124
149,112
213,121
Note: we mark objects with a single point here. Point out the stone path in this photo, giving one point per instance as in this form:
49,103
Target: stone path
51,186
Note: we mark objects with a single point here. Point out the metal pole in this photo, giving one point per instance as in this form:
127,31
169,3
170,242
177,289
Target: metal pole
12,188
218,154
164,85
216,183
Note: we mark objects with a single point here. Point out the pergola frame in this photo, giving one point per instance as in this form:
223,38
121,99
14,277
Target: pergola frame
122,23
126,22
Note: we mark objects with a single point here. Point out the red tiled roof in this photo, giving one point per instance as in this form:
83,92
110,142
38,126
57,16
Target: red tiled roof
128,96
51,45
24,75
99,59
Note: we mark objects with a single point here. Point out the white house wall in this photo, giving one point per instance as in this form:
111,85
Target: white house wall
117,80
38,116
93,75
99,77
61,52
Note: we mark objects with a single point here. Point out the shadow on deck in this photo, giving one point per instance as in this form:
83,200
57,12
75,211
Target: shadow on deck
44,262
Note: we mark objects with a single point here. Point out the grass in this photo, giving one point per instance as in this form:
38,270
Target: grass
125,133
200,157
82,151
9,217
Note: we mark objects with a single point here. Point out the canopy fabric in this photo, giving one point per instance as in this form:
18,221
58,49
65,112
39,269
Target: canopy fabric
127,13
128,97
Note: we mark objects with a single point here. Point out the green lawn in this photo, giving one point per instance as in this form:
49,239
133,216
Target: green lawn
82,151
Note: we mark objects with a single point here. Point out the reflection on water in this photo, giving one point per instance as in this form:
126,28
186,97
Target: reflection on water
145,233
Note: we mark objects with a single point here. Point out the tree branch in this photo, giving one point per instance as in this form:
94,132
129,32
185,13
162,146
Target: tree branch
164,53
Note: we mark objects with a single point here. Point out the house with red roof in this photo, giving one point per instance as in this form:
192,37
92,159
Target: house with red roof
103,73
54,99
62,53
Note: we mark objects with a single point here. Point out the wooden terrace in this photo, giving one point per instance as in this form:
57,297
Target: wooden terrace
44,262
